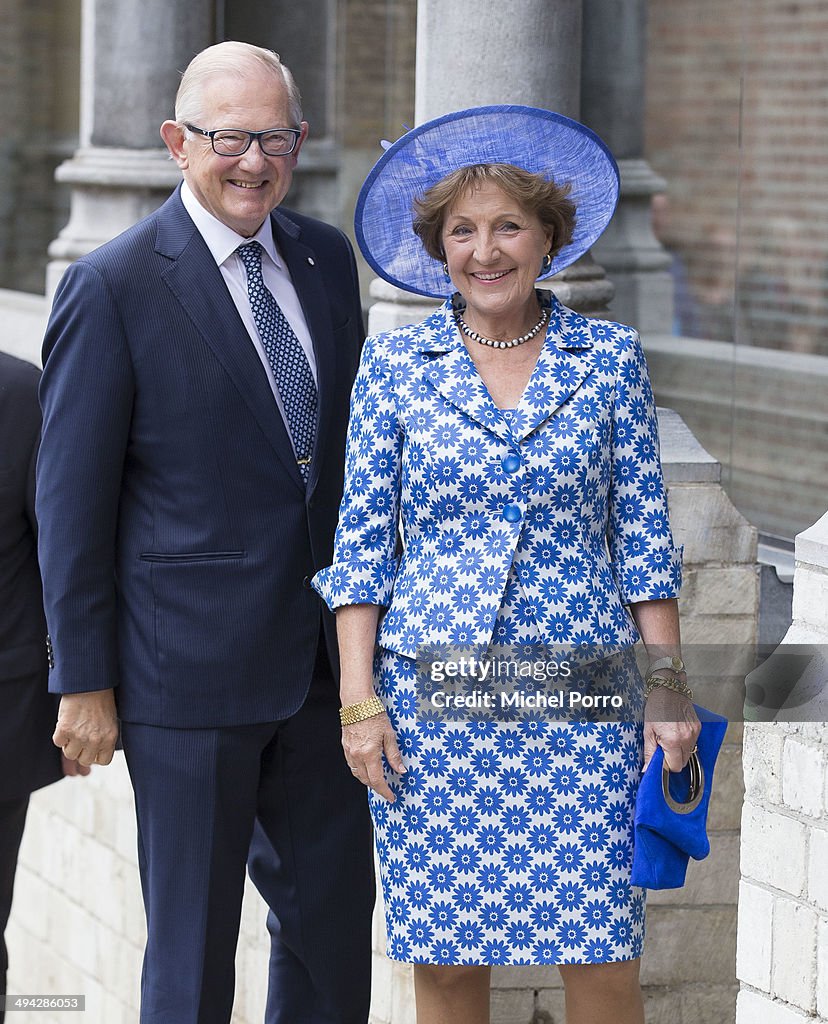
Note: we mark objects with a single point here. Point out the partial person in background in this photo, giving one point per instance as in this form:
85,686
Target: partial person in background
28,758
685,314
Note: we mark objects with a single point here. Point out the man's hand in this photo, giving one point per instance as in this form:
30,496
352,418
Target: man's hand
72,768
87,727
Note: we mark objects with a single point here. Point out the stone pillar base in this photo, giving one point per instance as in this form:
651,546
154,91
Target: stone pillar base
583,287
396,308
634,259
111,190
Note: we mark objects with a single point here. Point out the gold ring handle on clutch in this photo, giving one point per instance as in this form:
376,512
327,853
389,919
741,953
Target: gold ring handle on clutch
696,786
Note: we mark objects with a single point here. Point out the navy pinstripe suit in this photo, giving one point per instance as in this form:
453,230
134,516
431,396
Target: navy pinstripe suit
177,542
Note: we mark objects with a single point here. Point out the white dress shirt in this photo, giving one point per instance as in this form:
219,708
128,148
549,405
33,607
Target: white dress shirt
222,242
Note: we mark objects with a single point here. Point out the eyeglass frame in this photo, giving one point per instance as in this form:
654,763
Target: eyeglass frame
211,135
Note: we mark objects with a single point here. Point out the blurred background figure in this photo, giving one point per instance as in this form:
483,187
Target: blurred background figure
685,320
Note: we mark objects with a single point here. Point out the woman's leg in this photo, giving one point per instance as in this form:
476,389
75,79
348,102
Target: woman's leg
603,993
452,995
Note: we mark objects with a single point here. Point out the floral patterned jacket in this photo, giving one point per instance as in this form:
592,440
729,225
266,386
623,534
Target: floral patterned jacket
444,495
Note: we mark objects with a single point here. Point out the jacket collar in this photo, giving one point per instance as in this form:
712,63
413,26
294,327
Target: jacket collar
563,364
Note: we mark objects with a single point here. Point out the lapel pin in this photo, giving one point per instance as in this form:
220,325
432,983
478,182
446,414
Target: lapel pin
310,260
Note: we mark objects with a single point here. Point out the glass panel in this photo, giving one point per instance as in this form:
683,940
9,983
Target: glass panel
736,124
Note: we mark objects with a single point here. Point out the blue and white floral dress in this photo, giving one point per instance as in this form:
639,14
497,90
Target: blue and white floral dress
510,841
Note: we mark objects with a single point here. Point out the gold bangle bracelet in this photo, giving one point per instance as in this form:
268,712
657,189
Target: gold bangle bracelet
354,713
654,682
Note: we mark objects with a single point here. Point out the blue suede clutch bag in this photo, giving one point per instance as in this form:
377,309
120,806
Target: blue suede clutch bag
671,811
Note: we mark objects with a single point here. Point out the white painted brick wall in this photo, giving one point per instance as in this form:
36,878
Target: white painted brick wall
803,769
753,940
784,857
822,968
794,966
764,831
818,870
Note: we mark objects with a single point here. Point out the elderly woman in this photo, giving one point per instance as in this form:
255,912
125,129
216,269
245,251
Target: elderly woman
502,485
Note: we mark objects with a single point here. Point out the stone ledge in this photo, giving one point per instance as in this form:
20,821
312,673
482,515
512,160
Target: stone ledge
709,526
683,458
811,546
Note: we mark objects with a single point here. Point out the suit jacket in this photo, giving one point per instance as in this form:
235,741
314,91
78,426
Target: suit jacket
569,493
28,758
177,537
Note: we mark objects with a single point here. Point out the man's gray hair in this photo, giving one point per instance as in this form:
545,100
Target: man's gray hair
232,58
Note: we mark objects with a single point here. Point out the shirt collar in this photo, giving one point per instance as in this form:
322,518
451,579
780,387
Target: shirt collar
221,240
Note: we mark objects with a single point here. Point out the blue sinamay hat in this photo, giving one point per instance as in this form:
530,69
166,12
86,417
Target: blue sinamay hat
537,140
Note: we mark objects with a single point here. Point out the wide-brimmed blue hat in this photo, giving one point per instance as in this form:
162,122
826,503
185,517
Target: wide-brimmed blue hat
537,140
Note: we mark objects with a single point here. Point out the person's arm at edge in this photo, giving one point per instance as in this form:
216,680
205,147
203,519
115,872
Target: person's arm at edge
86,394
69,766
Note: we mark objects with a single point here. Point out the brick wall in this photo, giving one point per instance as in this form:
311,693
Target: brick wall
755,66
39,88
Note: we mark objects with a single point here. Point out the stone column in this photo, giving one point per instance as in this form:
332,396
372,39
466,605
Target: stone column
131,58
470,53
612,104
305,37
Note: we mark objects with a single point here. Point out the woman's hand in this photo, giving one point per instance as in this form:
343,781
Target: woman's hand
670,721
364,744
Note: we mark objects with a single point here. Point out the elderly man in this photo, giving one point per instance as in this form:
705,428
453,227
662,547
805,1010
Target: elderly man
195,395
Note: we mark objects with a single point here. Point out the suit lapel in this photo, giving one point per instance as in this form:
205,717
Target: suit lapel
304,270
197,284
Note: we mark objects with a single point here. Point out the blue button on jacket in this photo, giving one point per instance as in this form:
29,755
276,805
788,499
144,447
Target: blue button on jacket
428,460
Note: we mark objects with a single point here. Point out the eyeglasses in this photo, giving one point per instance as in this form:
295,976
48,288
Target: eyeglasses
235,141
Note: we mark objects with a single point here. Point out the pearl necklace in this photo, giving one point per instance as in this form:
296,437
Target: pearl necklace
464,327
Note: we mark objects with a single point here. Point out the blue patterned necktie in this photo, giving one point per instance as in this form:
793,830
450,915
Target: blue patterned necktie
286,357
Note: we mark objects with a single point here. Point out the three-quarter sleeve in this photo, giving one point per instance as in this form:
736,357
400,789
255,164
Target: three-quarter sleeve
365,546
645,562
